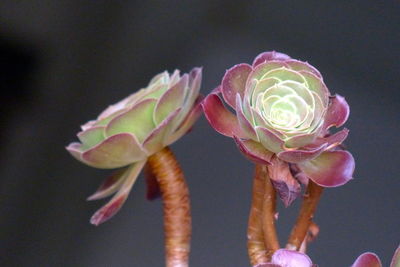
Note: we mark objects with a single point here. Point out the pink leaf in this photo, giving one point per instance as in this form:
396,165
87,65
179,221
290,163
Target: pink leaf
338,112
367,259
330,169
254,151
113,206
222,120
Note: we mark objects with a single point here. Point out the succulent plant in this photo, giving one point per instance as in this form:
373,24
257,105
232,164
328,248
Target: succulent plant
288,258
142,123
284,112
137,127
369,259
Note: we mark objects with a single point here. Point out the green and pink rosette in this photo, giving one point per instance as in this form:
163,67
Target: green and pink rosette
283,116
130,131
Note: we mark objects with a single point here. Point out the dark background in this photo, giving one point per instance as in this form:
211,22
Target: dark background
62,62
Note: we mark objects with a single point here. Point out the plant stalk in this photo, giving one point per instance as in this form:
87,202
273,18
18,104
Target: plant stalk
255,234
268,216
307,210
176,205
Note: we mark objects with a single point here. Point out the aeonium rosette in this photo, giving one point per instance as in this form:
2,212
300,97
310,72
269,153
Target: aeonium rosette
283,113
130,131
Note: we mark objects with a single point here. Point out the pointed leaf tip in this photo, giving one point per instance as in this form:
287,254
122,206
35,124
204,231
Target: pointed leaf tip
108,211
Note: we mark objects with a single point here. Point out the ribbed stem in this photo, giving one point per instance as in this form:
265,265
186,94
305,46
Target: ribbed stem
255,234
176,204
307,210
268,216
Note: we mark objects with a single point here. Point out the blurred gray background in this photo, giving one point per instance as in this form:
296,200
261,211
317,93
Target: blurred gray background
62,62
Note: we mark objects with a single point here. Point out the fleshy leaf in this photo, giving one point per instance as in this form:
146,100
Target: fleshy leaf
301,140
290,258
234,82
286,186
116,151
396,258
187,123
268,56
114,205
110,185
367,259
300,155
269,140
299,65
243,121
137,121
338,112
254,151
154,141
170,100
316,85
221,119
330,169
333,140
92,136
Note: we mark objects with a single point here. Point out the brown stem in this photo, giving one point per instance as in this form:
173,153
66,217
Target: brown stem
308,207
268,216
255,234
177,218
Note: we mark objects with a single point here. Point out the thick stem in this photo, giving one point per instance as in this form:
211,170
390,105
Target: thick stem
308,207
268,216
177,218
255,235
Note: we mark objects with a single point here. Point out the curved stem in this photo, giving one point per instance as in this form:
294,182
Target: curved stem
177,218
308,207
268,216
255,235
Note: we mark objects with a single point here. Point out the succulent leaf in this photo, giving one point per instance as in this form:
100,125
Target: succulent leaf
329,169
110,185
115,204
222,120
254,151
396,258
367,259
234,82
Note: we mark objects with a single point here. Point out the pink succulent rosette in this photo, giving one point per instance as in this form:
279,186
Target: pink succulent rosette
369,259
283,115
130,131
